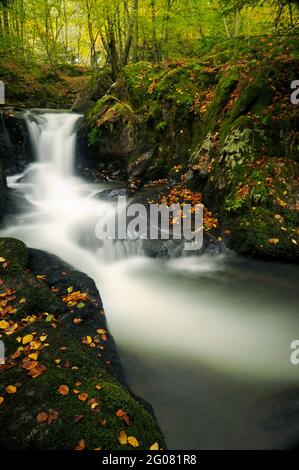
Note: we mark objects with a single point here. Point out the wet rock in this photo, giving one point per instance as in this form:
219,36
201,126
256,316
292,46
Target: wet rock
111,194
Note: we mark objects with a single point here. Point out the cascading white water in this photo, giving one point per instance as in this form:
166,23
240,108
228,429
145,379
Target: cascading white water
239,337
230,315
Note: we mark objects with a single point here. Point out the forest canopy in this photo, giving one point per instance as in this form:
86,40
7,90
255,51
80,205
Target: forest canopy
97,32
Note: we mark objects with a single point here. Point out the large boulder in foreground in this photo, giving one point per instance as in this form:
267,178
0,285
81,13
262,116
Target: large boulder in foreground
62,385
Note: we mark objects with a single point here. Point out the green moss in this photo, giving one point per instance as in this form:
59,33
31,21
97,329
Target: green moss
99,428
15,252
257,233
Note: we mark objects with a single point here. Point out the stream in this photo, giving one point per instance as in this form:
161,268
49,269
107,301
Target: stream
204,339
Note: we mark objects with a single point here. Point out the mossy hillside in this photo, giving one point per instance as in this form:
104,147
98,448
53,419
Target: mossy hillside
59,337
31,85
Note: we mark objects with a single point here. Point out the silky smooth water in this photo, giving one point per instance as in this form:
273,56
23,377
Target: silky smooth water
206,340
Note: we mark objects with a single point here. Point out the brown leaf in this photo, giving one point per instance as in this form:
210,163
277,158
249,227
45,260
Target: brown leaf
42,417
78,418
81,445
52,416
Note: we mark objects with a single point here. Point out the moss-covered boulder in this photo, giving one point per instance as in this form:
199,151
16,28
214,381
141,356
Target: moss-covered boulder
224,126
62,385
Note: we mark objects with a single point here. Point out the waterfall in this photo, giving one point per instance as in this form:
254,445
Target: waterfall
156,298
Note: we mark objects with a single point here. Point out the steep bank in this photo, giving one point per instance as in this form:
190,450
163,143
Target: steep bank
222,126
62,384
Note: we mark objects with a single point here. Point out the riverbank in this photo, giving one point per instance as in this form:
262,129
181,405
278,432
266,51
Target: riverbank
62,385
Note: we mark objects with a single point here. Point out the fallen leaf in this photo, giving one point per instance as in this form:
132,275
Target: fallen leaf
122,438
4,325
80,445
1,400
11,389
274,241
27,339
78,418
52,416
83,396
133,441
154,446
37,371
42,417
63,390
33,356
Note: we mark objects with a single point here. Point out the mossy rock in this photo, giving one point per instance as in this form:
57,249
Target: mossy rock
15,252
257,233
76,419
58,335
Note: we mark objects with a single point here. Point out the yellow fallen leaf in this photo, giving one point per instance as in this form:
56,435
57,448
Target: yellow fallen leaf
33,356
274,241
294,241
133,441
27,339
70,290
154,446
4,325
122,438
88,339
43,338
1,400
11,389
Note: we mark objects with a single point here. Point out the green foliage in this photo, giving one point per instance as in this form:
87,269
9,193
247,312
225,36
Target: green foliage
161,126
94,136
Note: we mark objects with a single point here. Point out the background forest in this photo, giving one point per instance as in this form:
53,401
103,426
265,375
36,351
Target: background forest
117,32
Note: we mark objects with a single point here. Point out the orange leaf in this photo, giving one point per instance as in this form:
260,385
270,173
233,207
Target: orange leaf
80,445
42,417
63,390
83,396
122,438
11,389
